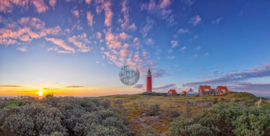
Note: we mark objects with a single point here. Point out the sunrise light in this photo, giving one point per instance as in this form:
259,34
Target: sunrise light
39,93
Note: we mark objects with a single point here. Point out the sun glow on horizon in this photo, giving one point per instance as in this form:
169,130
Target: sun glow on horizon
40,93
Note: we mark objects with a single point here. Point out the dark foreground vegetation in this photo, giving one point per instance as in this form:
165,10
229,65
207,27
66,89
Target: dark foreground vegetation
59,116
234,114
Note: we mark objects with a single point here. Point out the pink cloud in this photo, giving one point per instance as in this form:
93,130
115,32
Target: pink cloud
149,41
61,44
80,41
40,5
88,1
52,3
76,13
23,49
160,10
183,48
182,31
174,43
98,35
7,5
195,20
106,6
149,25
90,18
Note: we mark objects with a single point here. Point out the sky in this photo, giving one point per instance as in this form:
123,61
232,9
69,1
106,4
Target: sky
77,47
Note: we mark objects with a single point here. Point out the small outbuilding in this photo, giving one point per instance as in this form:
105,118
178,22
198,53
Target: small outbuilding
184,92
191,92
172,92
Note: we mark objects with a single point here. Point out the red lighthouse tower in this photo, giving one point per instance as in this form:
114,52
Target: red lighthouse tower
149,81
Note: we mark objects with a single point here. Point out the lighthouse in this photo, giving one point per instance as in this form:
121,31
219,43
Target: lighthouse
149,81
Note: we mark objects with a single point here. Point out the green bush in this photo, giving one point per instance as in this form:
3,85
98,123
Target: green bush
228,119
147,131
236,100
153,110
63,116
215,100
3,104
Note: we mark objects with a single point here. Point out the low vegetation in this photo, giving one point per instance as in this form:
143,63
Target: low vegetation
148,114
61,116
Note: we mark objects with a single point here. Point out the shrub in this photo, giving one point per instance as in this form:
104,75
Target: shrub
63,116
215,100
49,95
188,111
228,119
147,131
3,104
153,110
236,100
173,114
32,119
106,104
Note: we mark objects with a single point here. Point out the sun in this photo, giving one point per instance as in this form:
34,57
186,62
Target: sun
40,93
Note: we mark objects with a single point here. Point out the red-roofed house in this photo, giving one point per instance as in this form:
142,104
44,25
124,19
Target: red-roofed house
184,92
205,89
221,90
172,92
190,92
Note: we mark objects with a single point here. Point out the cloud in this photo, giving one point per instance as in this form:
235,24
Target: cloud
196,36
90,18
148,26
139,86
171,57
182,31
217,20
80,41
26,30
132,27
180,70
257,72
174,43
88,1
183,48
120,53
23,49
32,22
61,44
198,48
74,86
98,35
188,2
149,41
97,61
7,5
206,54
125,20
195,20
76,13
161,10
40,5
165,87
52,3
251,87
106,6
10,86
